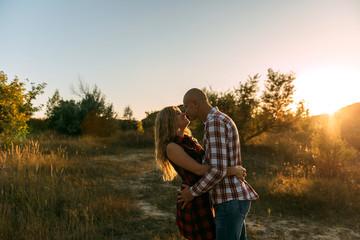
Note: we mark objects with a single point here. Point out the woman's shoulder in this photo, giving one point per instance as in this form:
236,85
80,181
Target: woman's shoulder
171,145
173,149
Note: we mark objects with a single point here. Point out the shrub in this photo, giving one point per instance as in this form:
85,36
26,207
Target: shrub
16,108
331,153
89,116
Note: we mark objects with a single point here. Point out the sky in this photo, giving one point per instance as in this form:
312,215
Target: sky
147,53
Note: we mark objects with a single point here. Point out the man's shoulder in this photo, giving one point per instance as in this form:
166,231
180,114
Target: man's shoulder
220,116
221,119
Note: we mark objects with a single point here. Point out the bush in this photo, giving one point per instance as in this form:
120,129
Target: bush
331,154
89,116
66,118
16,108
37,125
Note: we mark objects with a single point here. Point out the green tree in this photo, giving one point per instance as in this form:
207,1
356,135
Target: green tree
93,102
275,111
128,113
90,116
246,106
53,102
127,125
255,113
149,121
66,118
16,107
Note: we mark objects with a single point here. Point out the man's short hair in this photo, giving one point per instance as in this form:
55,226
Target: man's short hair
196,94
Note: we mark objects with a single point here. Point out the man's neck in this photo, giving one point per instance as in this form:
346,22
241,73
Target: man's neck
205,113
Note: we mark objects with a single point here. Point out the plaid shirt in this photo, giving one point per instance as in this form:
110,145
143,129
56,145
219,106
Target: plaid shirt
222,149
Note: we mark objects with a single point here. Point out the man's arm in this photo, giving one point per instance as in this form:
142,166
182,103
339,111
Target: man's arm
177,155
186,196
217,155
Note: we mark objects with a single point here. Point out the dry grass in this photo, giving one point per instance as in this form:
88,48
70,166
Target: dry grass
47,193
291,182
52,196
85,188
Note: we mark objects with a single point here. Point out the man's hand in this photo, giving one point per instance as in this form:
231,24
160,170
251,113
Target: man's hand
185,196
240,172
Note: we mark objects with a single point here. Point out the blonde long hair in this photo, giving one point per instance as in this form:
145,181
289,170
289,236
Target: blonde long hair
165,132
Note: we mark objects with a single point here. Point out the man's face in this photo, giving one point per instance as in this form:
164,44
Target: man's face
190,109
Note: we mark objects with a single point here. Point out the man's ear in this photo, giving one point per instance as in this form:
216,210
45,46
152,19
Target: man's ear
196,103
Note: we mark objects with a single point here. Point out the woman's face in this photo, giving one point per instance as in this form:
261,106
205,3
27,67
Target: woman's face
181,119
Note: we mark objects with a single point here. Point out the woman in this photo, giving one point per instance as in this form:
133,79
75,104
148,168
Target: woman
177,152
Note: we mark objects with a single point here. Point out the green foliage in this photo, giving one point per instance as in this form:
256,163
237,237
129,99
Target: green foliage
331,154
89,116
36,125
93,102
127,125
131,133
16,108
128,113
65,118
255,113
278,96
149,120
248,103
53,102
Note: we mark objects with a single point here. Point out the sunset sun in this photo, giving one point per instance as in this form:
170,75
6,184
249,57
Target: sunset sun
326,90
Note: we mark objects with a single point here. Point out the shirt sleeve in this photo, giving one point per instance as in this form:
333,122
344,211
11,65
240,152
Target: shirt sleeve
217,155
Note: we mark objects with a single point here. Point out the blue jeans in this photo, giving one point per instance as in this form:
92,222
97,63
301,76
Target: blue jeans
230,219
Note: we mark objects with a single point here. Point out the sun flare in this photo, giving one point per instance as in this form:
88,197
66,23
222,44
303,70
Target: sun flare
326,90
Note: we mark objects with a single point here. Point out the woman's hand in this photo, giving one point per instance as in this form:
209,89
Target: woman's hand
185,196
237,171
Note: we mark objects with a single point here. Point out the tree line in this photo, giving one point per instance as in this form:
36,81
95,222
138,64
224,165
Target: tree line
253,111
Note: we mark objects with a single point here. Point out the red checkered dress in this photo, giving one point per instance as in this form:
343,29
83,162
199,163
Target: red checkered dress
196,221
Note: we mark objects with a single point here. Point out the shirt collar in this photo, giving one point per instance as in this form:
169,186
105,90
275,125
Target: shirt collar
211,114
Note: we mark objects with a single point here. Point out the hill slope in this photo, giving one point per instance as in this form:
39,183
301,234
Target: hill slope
348,119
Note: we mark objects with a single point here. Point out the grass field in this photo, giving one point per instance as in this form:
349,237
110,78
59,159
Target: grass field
81,189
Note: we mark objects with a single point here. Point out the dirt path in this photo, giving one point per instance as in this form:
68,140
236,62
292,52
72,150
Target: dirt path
137,183
286,228
267,227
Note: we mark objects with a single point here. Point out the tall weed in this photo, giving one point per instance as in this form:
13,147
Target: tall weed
53,196
309,172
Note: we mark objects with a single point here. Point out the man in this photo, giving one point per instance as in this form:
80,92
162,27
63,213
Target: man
230,195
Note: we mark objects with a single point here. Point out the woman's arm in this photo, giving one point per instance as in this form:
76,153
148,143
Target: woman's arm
177,155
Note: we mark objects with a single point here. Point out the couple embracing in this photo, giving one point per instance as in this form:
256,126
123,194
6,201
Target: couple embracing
212,176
